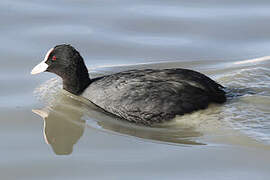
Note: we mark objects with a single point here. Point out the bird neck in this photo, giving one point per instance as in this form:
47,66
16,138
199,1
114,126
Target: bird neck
78,80
76,86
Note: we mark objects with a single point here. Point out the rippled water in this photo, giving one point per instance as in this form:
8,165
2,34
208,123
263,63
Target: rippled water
227,40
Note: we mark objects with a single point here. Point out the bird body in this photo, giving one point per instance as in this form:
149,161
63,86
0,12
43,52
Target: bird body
151,96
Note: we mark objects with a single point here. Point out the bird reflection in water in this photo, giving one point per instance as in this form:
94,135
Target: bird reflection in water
64,126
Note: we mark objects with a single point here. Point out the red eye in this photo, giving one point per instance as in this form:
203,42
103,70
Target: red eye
54,58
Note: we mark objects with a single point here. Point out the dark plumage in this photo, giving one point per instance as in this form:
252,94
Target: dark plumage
142,96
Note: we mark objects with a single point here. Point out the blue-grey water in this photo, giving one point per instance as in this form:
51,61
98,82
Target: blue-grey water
46,133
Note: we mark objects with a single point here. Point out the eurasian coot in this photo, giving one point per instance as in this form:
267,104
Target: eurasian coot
141,96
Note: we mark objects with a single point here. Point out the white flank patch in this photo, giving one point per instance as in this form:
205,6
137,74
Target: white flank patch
41,67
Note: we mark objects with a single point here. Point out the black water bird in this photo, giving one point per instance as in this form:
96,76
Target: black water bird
142,96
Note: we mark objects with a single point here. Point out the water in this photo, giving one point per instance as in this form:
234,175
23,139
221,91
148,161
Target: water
227,40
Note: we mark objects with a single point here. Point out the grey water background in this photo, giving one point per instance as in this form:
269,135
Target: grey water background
227,40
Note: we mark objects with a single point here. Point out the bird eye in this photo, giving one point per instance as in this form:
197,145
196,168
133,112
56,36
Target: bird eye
54,58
